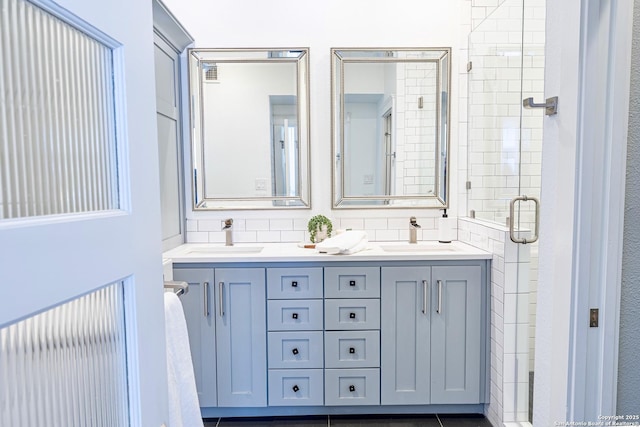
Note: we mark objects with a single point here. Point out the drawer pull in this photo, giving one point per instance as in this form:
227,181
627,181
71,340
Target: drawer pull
295,351
424,296
296,388
352,282
352,315
439,310
294,315
294,284
221,293
352,388
352,350
205,297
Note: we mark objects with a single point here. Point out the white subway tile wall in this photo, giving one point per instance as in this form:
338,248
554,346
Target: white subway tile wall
295,230
509,333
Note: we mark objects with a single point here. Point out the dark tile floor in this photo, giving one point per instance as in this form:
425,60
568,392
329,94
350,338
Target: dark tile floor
355,421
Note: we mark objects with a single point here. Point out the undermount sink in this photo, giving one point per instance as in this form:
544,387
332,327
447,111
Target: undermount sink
226,250
435,247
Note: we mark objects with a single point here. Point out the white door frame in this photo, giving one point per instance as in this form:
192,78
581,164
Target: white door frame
588,58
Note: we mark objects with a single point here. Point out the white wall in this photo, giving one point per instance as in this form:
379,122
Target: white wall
628,363
320,26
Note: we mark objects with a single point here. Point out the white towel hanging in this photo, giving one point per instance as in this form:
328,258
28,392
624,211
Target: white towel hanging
184,408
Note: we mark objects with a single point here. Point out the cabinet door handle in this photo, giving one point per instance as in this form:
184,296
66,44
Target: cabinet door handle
205,297
352,388
425,285
439,311
221,298
296,388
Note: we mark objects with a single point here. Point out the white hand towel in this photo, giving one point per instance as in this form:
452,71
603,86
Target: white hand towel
345,243
184,408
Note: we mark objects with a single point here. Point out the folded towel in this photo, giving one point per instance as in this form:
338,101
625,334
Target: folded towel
364,244
348,242
184,408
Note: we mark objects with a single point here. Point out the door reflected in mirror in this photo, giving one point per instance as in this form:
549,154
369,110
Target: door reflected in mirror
390,127
250,115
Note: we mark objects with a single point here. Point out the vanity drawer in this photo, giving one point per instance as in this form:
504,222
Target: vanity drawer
349,314
294,315
295,350
352,282
352,349
290,283
299,387
352,387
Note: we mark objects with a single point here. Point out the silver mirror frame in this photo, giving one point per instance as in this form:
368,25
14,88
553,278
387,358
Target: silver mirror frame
247,55
440,200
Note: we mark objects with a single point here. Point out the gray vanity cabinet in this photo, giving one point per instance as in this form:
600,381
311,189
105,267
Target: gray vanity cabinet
326,338
240,295
352,335
456,331
405,335
431,335
225,309
295,337
200,318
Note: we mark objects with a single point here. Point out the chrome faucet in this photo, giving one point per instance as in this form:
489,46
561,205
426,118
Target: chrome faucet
413,230
227,228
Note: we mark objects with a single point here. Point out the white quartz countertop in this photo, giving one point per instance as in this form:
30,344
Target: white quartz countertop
292,252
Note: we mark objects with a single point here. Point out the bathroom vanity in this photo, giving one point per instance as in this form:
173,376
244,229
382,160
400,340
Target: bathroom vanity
279,330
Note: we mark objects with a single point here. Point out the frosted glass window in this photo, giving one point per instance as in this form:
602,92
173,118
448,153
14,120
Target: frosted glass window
57,120
67,366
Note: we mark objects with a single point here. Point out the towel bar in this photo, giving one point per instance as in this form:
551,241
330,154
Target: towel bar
179,288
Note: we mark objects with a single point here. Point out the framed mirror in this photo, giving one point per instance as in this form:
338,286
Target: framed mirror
250,128
390,126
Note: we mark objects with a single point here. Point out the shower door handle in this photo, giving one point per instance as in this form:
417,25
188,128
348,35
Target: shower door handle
512,209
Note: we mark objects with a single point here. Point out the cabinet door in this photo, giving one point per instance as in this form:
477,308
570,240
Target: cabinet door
405,335
198,313
241,337
456,320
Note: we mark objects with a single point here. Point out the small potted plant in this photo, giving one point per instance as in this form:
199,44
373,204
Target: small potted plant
320,228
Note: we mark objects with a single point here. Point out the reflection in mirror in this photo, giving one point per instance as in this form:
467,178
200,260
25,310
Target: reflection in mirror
390,118
250,128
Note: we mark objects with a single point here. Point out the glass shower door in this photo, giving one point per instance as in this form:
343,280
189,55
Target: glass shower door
504,158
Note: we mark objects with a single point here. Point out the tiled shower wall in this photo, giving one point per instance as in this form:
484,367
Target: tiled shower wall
509,328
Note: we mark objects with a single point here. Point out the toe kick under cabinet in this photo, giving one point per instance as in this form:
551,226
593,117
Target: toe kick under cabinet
338,337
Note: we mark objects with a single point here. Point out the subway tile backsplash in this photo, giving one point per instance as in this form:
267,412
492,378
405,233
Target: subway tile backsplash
295,229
